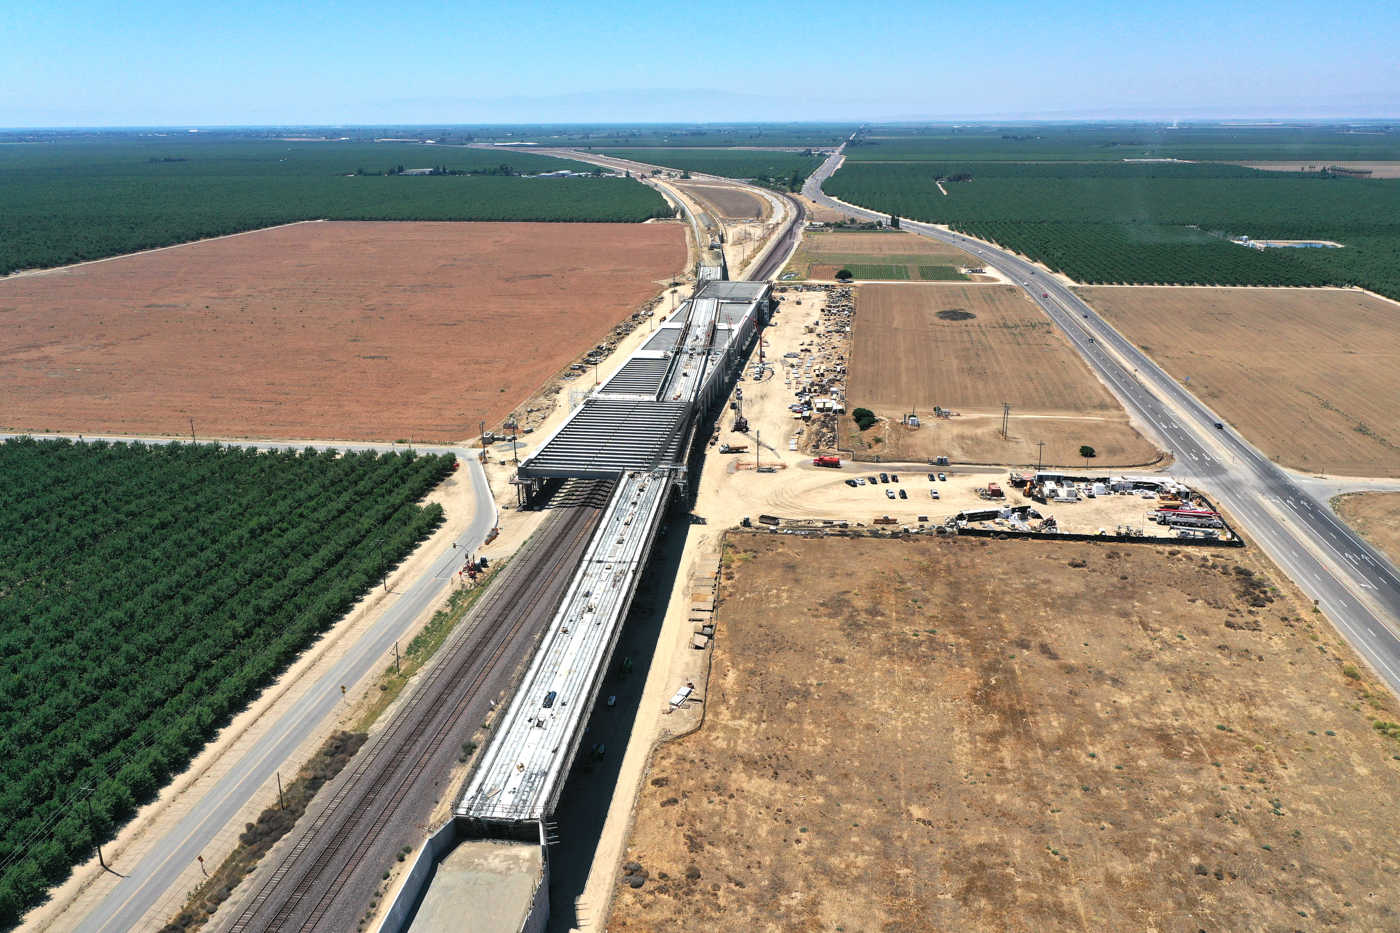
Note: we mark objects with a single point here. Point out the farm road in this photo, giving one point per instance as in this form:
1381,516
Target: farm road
147,882
1351,581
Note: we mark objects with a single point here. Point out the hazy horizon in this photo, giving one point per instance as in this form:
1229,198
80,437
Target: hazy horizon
74,63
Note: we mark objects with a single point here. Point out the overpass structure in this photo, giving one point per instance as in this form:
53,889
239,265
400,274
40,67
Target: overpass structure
636,431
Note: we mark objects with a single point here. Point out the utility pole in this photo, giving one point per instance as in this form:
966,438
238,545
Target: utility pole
757,450
1005,421
396,657
92,827
192,440
382,568
280,802
1040,459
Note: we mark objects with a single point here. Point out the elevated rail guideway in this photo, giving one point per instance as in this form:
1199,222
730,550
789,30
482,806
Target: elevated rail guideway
636,429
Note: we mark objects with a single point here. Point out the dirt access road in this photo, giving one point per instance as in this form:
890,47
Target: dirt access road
991,736
969,349
355,331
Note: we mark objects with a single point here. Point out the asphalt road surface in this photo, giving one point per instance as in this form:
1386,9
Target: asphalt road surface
147,882
1353,583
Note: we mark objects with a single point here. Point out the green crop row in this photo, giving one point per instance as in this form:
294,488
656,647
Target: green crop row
1153,223
69,202
1203,196
776,167
1125,254
146,594
1080,142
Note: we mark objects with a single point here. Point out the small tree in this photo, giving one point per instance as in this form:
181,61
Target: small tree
865,418
844,275
1088,454
894,221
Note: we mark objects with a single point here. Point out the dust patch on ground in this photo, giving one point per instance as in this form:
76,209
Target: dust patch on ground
358,331
988,736
1306,374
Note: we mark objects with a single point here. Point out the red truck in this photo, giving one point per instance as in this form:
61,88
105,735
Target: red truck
827,462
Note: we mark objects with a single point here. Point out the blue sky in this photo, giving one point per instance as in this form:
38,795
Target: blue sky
156,62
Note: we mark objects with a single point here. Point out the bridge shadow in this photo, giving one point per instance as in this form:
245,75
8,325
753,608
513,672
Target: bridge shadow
583,806
574,493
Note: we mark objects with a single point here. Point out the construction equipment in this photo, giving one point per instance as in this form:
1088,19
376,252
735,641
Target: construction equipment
733,448
741,424
827,462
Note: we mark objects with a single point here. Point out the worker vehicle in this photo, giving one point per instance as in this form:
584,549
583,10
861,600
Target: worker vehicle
903,494
943,477
852,483
933,477
549,698
860,480
1219,426
827,462
894,477
889,493
933,493
884,477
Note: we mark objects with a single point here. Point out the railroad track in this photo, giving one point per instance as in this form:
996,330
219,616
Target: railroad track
317,868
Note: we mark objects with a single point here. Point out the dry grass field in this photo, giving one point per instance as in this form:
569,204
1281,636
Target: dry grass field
327,330
1376,515
906,357
1307,375
955,735
821,254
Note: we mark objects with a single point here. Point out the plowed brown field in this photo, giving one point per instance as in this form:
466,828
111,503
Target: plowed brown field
927,736
323,330
905,358
1306,374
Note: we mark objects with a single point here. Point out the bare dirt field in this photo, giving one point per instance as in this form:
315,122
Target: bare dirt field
1377,169
905,357
996,736
730,203
1376,515
822,249
328,330
1306,374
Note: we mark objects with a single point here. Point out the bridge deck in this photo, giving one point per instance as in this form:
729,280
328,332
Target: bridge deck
522,772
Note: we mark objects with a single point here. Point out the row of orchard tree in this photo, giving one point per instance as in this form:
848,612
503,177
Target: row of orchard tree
147,592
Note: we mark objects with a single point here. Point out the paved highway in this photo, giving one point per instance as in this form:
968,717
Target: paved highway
146,883
1355,585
